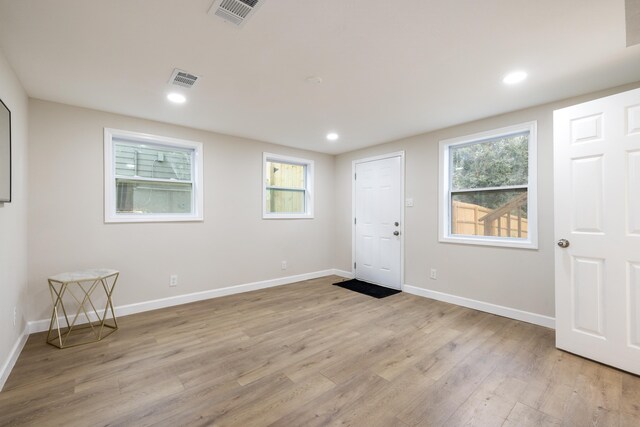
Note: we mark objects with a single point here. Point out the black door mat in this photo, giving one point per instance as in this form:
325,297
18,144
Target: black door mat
367,288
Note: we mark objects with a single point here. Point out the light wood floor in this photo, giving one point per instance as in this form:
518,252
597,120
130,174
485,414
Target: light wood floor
312,354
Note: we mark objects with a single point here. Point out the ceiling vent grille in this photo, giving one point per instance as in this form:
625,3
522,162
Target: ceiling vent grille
235,11
183,79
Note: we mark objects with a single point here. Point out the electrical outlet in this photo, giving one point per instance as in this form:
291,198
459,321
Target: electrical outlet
283,265
173,280
434,274
15,315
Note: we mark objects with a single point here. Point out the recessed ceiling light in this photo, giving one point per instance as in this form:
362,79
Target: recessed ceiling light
176,97
514,77
332,136
313,80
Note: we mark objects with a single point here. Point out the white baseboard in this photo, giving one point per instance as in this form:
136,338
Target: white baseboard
343,273
512,313
13,357
123,310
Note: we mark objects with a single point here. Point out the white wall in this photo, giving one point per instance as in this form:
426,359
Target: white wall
233,245
13,222
515,278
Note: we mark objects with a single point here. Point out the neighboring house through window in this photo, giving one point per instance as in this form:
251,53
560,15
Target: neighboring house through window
151,178
287,190
488,188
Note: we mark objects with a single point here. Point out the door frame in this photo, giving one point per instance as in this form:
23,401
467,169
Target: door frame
400,154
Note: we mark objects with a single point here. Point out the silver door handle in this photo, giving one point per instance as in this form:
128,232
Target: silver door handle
563,243
396,233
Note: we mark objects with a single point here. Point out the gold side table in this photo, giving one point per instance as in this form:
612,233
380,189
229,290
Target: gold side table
80,285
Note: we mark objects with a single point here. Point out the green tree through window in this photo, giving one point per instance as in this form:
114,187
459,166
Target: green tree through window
491,164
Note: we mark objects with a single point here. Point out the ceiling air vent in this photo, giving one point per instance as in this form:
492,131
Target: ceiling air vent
235,11
183,79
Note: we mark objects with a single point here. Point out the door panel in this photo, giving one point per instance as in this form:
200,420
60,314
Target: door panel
587,287
597,208
634,304
633,120
586,129
633,193
378,207
587,198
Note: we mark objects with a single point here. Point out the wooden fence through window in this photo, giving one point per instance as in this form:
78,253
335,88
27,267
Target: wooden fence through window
474,220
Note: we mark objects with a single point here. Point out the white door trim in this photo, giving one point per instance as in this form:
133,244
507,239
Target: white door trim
353,208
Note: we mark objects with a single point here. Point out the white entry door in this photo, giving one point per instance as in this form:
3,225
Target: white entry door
597,213
378,220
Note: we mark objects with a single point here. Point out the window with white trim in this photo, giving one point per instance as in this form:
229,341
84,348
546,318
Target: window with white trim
488,193
287,190
151,178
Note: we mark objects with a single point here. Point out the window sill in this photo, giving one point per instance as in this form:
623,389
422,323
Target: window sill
287,216
487,241
153,218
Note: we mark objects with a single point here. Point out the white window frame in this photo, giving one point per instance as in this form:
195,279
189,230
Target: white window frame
309,181
197,199
444,211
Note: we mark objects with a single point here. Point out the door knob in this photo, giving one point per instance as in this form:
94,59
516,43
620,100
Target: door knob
563,243
396,223
396,233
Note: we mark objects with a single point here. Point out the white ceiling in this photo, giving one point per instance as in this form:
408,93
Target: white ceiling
390,68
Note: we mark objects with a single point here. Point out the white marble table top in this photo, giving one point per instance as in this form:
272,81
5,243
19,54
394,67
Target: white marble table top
83,275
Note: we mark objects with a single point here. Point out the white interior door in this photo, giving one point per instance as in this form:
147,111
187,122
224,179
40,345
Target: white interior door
378,221
597,211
